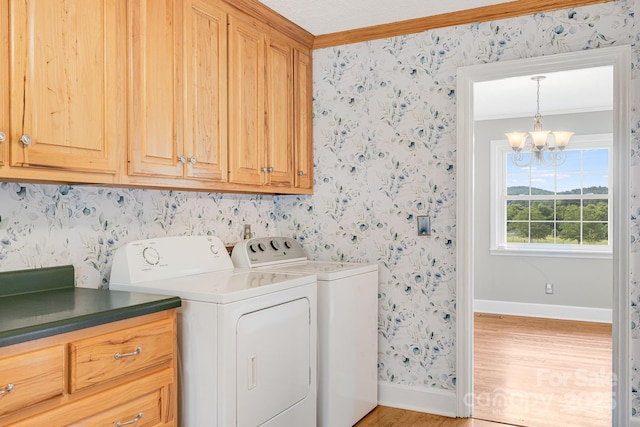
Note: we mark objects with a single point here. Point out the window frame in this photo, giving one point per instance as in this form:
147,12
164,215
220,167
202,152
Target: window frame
499,246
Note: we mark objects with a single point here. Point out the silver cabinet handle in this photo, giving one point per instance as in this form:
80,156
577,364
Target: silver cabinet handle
126,423
264,169
192,160
3,137
25,139
133,353
300,173
270,169
7,389
182,159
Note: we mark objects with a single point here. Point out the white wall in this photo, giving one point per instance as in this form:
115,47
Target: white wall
521,279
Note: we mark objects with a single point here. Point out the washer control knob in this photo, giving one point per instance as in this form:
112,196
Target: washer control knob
252,248
214,249
275,245
287,244
151,255
261,247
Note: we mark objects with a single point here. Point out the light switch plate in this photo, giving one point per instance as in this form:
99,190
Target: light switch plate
424,226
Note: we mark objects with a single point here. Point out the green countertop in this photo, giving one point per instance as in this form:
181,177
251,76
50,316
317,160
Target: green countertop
40,303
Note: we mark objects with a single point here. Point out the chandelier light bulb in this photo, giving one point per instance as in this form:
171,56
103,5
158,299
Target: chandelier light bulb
562,138
517,140
539,139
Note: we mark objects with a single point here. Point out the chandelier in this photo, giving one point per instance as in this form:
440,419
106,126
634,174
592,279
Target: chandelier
538,146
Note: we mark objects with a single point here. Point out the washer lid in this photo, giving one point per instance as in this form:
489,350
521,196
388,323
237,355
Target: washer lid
220,287
325,270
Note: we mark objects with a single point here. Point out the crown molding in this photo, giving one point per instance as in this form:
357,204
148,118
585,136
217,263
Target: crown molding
479,14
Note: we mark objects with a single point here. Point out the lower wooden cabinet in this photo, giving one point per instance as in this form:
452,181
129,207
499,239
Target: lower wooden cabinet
31,378
121,372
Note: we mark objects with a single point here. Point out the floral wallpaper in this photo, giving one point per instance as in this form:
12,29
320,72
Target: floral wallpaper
46,225
385,152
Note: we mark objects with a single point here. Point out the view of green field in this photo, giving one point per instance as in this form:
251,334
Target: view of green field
564,221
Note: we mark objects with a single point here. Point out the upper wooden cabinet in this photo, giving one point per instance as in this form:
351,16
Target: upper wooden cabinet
209,95
65,87
206,91
177,103
303,116
155,99
261,105
279,111
247,157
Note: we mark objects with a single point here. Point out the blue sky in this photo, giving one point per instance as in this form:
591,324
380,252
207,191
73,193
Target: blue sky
583,168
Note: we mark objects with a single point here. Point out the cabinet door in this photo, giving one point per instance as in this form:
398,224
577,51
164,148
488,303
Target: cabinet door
206,90
247,157
155,101
303,107
4,81
65,87
279,108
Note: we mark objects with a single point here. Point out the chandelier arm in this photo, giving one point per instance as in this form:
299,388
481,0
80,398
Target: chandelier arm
520,160
553,159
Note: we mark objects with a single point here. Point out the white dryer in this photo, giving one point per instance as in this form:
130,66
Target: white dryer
347,324
247,339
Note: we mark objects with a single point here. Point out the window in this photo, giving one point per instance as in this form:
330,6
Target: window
563,210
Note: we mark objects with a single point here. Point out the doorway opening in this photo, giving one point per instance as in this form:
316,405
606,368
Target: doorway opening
618,58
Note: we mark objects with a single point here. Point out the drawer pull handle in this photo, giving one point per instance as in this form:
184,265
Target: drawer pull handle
126,423
7,389
118,356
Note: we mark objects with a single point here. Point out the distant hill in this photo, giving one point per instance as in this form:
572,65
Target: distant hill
521,189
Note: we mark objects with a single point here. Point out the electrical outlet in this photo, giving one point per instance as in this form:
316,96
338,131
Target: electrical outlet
548,288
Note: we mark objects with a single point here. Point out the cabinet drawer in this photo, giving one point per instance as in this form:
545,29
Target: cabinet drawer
143,411
109,356
32,377
153,395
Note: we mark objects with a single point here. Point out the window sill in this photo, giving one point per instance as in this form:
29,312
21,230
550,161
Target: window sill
553,253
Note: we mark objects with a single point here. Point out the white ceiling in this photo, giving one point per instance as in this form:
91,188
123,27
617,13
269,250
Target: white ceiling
571,91
575,91
331,16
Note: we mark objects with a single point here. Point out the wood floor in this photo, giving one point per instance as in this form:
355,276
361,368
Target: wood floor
529,372
383,416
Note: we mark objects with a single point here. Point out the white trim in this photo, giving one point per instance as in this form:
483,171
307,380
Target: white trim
431,400
635,422
620,58
545,252
547,311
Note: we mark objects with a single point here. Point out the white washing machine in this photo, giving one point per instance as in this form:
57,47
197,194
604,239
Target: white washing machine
347,324
247,339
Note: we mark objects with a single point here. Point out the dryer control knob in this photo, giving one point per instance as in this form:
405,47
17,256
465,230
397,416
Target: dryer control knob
151,255
252,248
287,244
261,247
214,250
275,245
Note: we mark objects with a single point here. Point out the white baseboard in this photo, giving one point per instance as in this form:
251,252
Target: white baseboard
565,312
420,399
634,422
